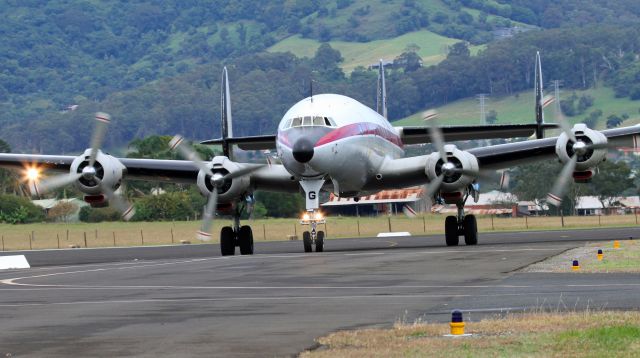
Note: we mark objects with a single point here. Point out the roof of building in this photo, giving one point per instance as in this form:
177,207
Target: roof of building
50,203
408,195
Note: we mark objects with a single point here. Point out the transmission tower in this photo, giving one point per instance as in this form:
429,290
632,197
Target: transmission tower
482,98
556,93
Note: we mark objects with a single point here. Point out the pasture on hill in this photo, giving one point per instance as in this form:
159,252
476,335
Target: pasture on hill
519,109
431,47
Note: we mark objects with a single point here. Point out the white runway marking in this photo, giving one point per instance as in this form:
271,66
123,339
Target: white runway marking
282,298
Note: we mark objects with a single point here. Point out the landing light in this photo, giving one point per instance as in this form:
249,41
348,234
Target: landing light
305,216
318,216
32,174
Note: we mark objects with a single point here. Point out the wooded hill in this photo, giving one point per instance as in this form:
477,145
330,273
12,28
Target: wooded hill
155,65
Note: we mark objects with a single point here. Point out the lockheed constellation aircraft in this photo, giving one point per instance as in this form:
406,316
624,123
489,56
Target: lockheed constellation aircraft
330,142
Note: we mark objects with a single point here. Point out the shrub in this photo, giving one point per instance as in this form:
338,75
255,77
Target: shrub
18,210
94,215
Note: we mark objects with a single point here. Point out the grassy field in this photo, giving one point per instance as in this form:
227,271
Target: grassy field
623,259
433,48
520,109
54,235
577,334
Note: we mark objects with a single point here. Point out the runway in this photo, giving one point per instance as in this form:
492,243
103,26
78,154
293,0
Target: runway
189,301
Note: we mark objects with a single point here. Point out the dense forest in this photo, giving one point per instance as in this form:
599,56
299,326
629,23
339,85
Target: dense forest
156,65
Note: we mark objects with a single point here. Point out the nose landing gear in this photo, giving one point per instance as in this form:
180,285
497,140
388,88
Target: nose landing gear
312,217
309,238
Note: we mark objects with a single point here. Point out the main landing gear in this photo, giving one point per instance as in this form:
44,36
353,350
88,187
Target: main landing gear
240,236
461,225
309,238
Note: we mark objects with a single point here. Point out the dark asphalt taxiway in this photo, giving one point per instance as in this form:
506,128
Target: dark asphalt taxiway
189,301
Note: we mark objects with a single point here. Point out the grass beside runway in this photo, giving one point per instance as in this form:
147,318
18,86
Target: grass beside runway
107,234
576,334
626,258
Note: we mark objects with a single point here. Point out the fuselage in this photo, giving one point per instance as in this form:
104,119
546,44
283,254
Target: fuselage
337,138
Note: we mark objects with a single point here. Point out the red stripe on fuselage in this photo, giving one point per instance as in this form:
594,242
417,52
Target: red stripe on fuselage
360,129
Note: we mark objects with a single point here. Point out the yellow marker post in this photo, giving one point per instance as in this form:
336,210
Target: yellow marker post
600,255
457,325
616,244
575,266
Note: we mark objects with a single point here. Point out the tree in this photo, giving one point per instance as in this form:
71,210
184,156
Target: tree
18,210
492,117
534,181
612,179
280,205
409,60
613,121
327,61
8,179
62,211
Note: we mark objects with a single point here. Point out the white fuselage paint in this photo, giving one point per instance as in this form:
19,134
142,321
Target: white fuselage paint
350,152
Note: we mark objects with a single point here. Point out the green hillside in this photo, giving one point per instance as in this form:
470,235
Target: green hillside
431,47
519,108
155,66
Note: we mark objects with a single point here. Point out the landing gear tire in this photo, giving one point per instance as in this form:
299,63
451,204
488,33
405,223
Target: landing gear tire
306,240
470,228
245,240
320,241
451,231
227,241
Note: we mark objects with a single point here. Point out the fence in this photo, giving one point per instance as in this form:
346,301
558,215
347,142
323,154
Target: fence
57,235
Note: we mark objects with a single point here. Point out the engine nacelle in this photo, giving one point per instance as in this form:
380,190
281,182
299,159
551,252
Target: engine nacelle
461,160
108,173
232,189
591,157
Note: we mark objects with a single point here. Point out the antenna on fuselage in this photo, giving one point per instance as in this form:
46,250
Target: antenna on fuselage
381,101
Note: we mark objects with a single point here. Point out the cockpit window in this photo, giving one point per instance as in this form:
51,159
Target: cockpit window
310,121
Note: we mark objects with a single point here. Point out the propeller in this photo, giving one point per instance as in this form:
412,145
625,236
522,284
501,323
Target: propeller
448,168
579,148
88,172
216,179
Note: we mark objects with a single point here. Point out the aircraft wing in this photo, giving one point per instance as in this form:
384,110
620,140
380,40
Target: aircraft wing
273,177
261,142
419,135
409,135
506,155
404,172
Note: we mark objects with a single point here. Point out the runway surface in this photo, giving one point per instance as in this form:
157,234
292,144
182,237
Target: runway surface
189,301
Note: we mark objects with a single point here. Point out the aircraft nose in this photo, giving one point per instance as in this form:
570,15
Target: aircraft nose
302,150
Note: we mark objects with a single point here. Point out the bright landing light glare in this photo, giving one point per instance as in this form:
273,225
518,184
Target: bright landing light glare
32,174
